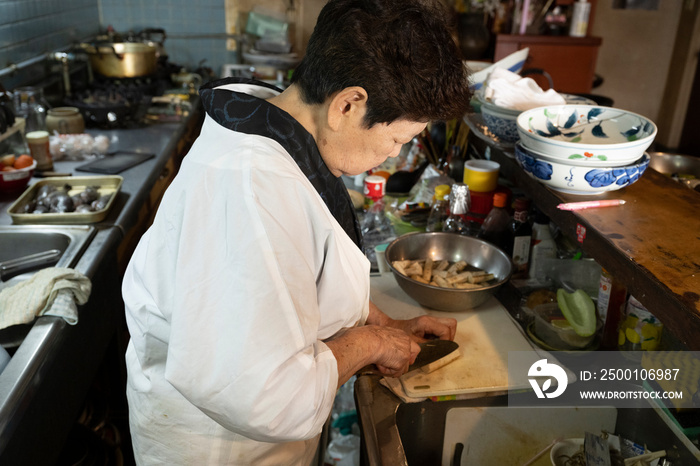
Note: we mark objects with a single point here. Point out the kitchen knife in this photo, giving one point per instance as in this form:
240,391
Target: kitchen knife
434,354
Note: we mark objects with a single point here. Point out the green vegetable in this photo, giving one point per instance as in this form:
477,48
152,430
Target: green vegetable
579,311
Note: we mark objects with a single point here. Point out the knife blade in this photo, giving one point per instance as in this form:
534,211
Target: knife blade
432,351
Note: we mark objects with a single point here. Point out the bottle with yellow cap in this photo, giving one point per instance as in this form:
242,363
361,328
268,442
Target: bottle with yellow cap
439,208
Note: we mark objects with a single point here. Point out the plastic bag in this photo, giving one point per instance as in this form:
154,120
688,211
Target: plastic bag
77,146
344,451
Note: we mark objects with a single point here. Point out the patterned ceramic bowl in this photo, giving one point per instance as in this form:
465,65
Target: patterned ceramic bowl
502,121
579,179
587,135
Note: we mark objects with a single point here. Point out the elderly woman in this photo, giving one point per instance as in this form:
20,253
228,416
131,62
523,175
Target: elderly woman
247,301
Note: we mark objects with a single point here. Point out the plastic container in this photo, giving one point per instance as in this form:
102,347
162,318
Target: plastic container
543,246
495,227
481,175
552,328
640,329
38,142
439,210
579,19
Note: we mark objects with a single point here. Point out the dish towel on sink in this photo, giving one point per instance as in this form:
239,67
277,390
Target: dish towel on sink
53,291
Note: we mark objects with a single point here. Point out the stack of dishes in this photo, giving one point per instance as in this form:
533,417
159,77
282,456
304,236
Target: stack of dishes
502,121
583,149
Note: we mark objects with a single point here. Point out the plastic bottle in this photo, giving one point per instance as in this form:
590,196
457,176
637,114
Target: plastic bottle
521,233
579,19
612,296
375,225
497,222
439,209
456,221
543,246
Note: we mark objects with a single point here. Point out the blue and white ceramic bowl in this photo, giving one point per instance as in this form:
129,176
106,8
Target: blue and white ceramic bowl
586,134
502,121
579,179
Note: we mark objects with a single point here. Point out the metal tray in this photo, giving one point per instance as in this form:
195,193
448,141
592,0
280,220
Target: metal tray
108,184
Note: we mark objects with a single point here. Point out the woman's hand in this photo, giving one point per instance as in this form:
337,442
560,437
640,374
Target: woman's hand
418,327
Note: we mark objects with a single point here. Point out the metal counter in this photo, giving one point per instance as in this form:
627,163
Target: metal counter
43,387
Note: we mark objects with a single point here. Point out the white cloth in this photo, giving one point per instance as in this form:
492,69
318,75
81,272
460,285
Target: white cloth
507,89
228,298
53,291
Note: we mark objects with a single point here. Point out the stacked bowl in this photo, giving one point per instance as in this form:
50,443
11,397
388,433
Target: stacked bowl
583,149
502,121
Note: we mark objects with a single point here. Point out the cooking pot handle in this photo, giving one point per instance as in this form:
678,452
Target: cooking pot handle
97,45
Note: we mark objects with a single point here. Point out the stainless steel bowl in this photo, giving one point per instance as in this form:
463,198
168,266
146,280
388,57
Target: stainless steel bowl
452,247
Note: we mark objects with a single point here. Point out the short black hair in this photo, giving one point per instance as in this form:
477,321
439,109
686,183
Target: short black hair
401,52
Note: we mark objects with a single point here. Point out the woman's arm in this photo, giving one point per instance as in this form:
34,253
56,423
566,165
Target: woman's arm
388,343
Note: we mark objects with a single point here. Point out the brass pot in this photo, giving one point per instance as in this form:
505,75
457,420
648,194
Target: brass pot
122,59
65,120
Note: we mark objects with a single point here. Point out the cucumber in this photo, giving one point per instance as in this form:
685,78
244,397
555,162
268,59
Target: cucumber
579,311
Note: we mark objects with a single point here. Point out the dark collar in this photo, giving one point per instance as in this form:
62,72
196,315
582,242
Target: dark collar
248,114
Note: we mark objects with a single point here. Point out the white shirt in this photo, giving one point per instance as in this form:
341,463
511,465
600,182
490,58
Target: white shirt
229,296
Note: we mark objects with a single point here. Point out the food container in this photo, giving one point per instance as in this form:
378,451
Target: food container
552,328
15,180
107,184
451,247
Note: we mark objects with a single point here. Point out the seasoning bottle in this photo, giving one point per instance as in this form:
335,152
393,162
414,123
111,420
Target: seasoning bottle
439,209
612,296
375,186
521,233
497,222
375,226
543,246
38,142
456,221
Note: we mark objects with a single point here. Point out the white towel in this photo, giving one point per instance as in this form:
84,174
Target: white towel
507,89
53,291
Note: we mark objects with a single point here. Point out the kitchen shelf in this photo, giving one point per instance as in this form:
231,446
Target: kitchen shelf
651,243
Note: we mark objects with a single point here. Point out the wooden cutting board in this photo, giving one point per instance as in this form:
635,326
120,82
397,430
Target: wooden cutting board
485,335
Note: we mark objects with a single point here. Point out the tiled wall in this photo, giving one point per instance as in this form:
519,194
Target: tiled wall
29,28
185,22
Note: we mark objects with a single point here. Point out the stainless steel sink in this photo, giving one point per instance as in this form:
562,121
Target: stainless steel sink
17,241
406,434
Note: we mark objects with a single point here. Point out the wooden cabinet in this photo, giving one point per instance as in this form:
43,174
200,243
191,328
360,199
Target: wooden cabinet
570,61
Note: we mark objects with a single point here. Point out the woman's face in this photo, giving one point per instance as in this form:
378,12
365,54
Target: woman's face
356,149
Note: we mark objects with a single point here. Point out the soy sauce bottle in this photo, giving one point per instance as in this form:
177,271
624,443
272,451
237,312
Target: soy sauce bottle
521,232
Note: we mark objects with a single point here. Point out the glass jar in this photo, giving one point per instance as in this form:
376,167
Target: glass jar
30,104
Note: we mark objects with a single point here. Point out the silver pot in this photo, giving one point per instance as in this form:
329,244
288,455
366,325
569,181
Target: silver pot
122,59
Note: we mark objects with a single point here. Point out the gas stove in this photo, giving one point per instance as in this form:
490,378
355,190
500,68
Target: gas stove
110,103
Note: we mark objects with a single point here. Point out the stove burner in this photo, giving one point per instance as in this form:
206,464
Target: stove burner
117,103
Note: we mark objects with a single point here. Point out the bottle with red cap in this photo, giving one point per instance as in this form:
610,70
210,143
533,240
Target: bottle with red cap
495,228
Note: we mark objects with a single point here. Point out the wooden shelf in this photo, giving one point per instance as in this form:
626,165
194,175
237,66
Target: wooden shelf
651,243
570,61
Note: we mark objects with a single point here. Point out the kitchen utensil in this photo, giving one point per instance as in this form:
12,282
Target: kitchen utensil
451,247
586,134
106,185
683,168
432,351
578,177
122,59
403,181
115,162
13,267
16,180
65,120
